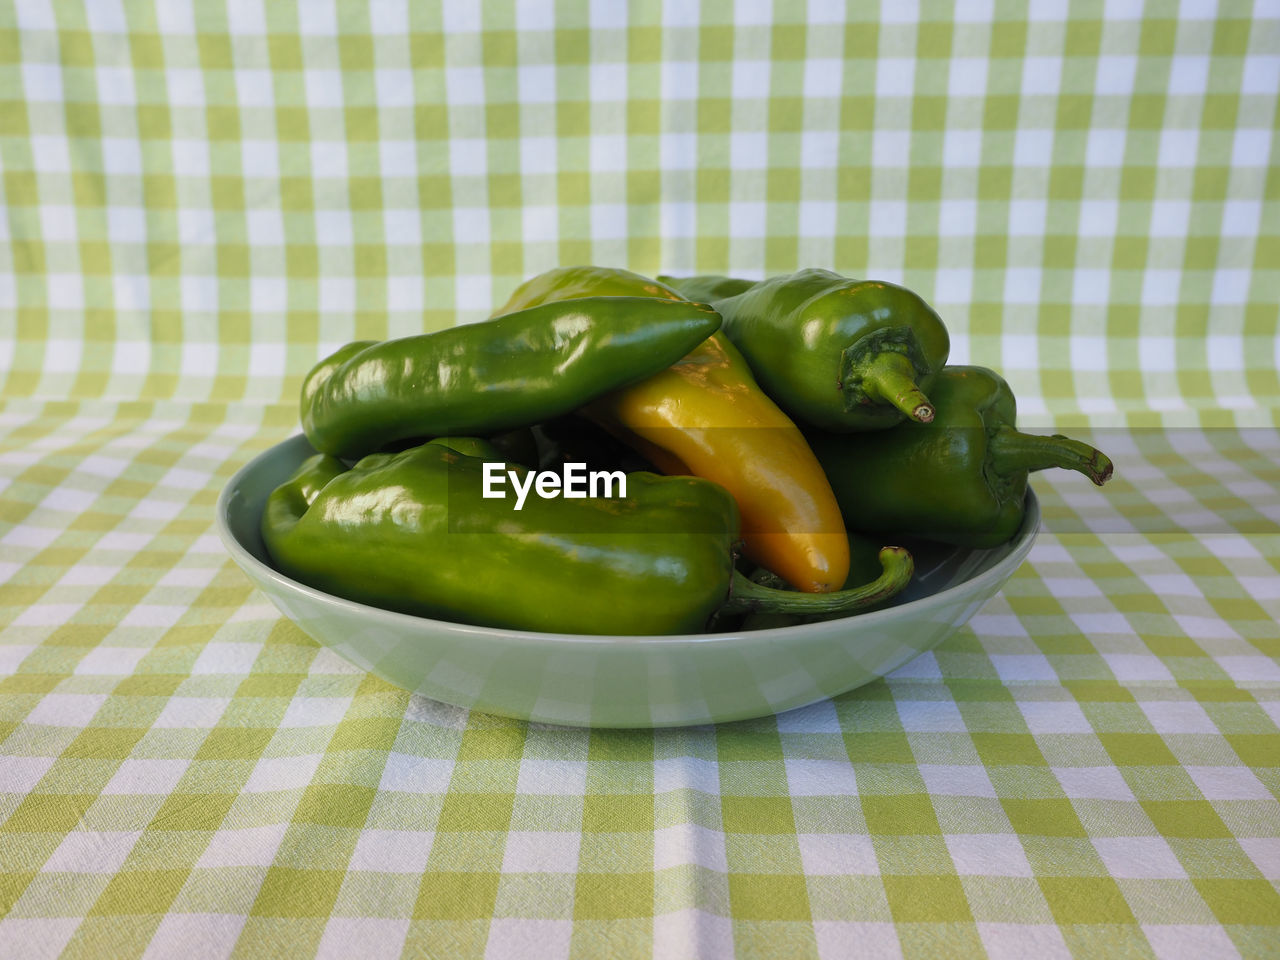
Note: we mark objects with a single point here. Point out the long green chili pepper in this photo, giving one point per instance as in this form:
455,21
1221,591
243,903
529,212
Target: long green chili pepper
488,377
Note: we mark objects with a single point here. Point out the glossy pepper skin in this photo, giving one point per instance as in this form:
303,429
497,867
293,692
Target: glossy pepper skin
518,446
707,288
961,479
706,416
839,354
411,532
573,283
489,377
477,447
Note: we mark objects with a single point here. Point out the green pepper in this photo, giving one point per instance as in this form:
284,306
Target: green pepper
960,479
707,288
488,377
412,532
864,565
469,447
571,283
519,445
839,354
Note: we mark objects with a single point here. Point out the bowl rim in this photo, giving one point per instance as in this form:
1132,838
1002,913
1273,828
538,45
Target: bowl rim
1022,542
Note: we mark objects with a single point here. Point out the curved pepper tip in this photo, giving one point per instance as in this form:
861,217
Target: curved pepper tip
1095,465
1099,468
1011,450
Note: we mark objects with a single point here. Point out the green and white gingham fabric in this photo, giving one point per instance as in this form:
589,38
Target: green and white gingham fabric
200,200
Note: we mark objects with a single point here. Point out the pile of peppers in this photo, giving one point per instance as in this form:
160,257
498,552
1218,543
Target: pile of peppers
779,441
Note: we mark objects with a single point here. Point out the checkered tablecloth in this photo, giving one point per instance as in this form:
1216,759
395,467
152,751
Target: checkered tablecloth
199,201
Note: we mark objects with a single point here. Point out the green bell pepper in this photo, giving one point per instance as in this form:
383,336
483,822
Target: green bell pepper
412,532
489,377
839,354
960,479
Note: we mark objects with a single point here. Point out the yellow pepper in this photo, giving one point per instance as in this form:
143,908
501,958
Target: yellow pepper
705,416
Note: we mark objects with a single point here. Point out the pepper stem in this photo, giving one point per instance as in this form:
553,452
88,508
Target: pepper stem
891,376
1011,451
746,596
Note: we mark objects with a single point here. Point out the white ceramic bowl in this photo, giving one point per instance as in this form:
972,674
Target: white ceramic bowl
609,681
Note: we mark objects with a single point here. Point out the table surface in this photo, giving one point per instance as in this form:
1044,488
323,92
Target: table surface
1091,766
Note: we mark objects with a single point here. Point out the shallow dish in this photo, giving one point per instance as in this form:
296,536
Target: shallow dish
609,681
